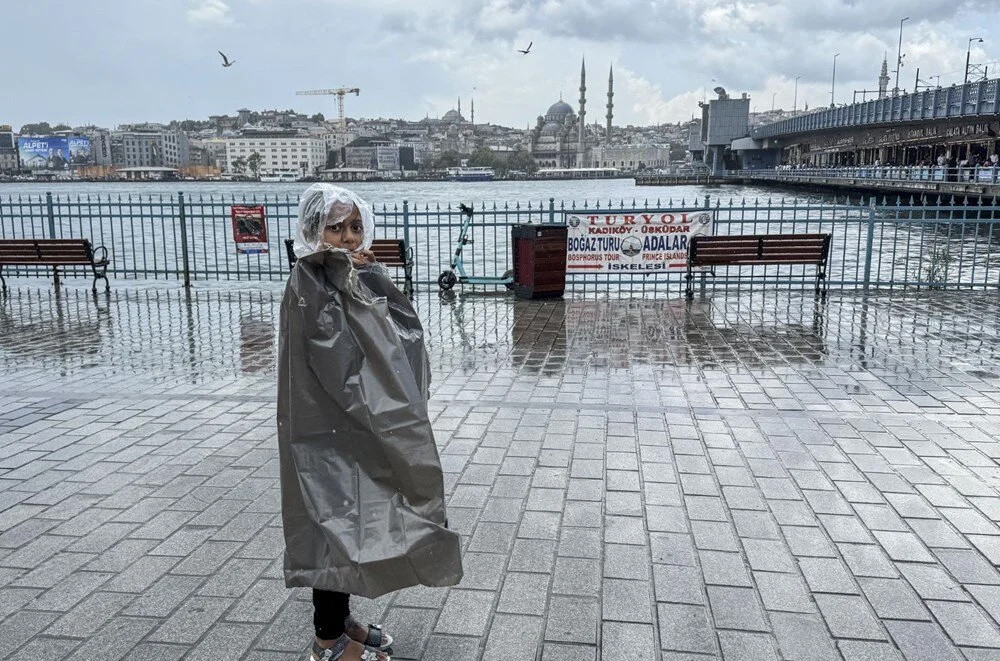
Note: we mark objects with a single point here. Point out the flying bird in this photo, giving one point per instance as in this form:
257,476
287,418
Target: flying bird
526,50
225,60
466,209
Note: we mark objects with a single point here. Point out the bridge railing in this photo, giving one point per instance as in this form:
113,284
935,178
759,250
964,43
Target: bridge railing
923,173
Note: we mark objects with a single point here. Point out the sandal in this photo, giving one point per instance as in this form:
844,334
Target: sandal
338,648
376,637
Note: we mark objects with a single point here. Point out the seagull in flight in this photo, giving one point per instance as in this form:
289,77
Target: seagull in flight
227,63
526,50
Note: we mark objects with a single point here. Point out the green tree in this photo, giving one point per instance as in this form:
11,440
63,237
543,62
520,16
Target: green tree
254,162
39,128
61,127
318,117
239,165
521,160
447,159
483,158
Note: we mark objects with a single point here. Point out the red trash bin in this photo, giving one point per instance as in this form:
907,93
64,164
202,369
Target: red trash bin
539,260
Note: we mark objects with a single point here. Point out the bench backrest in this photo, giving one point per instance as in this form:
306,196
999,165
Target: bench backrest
388,252
45,251
759,249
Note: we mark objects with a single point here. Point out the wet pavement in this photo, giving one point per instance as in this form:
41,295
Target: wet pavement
758,476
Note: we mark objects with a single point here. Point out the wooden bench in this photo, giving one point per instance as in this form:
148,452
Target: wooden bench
54,253
388,252
752,249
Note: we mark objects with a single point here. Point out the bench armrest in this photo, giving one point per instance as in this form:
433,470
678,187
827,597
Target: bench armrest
100,254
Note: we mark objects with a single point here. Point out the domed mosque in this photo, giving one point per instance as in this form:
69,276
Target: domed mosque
559,137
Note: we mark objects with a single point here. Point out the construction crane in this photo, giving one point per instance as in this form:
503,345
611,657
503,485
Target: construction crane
340,93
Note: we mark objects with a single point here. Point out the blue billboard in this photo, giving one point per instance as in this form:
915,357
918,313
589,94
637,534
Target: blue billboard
53,152
79,150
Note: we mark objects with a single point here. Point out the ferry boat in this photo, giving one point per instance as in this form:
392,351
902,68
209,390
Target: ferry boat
470,174
281,175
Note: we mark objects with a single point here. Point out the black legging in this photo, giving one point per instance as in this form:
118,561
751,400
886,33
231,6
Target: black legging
330,613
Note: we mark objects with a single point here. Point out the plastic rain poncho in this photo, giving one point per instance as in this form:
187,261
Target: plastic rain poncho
361,482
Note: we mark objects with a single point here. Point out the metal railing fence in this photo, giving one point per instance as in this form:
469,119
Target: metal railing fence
876,243
920,173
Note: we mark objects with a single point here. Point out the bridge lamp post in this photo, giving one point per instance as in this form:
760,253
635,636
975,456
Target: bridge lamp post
772,101
795,103
899,53
833,81
968,52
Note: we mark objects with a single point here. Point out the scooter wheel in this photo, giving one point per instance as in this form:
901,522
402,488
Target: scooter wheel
447,280
509,275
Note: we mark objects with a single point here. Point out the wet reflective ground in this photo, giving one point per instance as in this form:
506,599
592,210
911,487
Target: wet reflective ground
765,476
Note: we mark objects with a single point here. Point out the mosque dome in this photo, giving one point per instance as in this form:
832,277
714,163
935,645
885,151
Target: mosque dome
558,111
452,116
551,128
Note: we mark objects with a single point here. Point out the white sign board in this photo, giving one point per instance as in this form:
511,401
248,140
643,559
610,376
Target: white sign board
642,242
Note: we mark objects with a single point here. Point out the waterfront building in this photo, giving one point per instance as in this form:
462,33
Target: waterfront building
629,157
279,150
8,150
150,145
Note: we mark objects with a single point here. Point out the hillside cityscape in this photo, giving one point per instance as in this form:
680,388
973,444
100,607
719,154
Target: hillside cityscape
287,145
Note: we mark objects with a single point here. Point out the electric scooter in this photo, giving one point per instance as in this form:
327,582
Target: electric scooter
456,274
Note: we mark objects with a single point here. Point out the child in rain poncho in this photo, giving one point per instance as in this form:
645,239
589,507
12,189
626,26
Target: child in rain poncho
361,482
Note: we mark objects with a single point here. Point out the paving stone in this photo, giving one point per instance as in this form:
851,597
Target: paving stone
572,619
802,637
685,628
626,601
525,594
892,599
513,636
862,650
616,636
827,575
114,640
783,592
921,641
848,617
90,614
736,608
225,640
744,646
678,584
724,569
465,612
20,627
964,624
191,620
446,648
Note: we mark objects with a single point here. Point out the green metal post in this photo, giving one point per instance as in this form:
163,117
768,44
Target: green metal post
869,243
703,280
52,215
552,210
184,241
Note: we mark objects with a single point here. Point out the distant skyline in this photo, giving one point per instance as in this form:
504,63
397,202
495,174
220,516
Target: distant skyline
149,60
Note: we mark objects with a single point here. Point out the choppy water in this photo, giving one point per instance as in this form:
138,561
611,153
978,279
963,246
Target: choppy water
433,192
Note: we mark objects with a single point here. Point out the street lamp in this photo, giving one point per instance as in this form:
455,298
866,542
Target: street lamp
795,103
968,51
833,81
899,54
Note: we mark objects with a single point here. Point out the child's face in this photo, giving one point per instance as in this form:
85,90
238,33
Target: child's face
348,235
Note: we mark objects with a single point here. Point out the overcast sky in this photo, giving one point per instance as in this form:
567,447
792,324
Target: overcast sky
114,61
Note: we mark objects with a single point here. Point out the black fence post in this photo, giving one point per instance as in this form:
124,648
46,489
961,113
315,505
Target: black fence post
184,240
869,243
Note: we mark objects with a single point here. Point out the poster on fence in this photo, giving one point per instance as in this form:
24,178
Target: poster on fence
641,242
249,229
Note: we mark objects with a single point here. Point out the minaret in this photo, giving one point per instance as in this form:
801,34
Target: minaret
611,105
883,79
473,119
581,142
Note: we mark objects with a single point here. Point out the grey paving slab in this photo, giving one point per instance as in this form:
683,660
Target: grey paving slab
739,484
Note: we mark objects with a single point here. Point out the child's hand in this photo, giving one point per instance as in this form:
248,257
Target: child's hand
362,257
